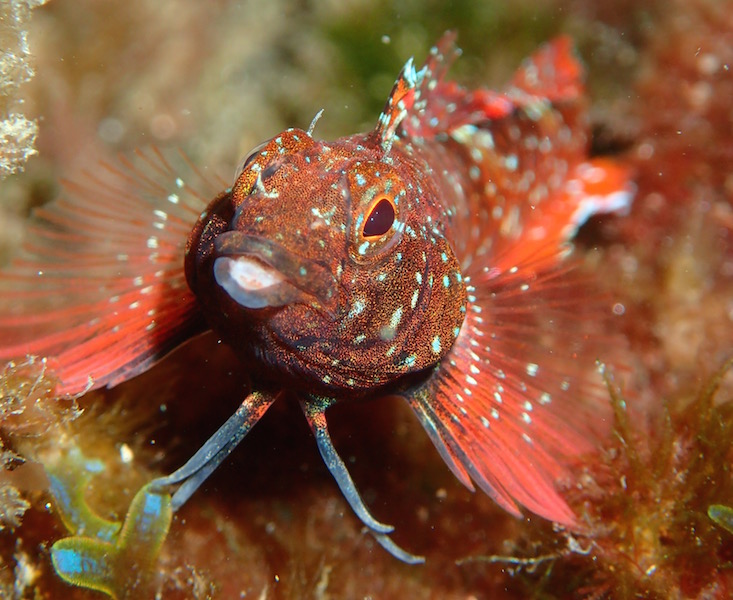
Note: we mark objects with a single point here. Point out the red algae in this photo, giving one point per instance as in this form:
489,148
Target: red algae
271,523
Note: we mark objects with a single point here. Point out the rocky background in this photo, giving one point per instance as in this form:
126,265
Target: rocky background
219,77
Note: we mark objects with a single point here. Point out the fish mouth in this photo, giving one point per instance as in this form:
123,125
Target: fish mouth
258,273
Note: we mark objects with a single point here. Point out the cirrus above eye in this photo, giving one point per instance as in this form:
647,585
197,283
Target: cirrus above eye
249,158
380,218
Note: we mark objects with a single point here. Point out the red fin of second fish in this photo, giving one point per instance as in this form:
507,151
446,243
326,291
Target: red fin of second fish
99,287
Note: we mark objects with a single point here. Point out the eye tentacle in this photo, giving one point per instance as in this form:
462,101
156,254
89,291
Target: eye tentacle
247,160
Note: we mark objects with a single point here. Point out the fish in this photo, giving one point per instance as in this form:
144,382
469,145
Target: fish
429,258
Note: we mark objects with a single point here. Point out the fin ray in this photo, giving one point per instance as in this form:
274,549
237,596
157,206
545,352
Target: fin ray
511,424
99,287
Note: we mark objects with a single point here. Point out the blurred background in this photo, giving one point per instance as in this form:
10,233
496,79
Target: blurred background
82,80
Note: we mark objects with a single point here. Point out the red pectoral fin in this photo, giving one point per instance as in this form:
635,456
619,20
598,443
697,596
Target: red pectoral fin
99,287
519,393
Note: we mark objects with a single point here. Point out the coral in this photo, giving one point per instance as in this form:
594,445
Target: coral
12,506
69,475
646,531
108,556
721,515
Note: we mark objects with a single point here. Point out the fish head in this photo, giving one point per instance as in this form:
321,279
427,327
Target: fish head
327,262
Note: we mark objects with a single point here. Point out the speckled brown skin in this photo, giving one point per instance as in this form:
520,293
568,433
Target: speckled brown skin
363,318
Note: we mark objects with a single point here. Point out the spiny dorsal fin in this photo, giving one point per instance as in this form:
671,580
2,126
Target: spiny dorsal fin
400,102
552,72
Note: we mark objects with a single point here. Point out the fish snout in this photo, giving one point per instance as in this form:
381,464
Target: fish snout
259,273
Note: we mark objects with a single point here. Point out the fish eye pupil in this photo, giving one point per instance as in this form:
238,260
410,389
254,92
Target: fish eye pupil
380,218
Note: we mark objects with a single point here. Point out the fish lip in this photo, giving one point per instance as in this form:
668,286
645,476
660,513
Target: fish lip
260,273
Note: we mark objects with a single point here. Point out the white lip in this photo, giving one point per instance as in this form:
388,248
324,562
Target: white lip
248,281
250,274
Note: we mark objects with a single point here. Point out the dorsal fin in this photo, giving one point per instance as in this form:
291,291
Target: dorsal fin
552,72
400,102
423,104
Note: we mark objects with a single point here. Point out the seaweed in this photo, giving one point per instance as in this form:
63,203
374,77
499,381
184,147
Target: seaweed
650,510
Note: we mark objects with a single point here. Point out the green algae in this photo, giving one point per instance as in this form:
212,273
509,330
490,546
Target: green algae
107,556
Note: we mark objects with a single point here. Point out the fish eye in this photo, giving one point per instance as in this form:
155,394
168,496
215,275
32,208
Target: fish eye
380,217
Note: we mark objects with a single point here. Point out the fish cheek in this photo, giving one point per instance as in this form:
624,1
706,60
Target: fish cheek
406,314
200,246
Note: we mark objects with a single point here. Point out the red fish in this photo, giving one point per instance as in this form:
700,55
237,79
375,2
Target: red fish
425,258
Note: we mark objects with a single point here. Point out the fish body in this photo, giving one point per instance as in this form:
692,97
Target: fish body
305,290
425,258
